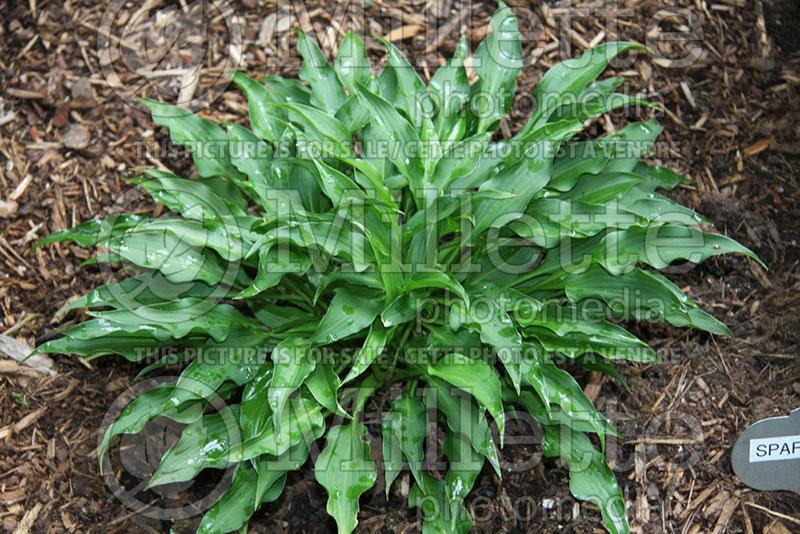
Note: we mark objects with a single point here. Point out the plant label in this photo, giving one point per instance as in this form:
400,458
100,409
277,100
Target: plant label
767,455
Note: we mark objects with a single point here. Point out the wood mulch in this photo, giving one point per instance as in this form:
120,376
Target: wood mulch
68,139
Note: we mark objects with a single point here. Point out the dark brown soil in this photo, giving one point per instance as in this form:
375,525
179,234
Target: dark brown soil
732,125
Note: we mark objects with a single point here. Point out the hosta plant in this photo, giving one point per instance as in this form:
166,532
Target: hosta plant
370,237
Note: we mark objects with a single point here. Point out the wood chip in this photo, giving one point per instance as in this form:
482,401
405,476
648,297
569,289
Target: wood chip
18,351
76,137
773,512
267,31
759,146
12,496
82,90
28,519
777,528
725,516
8,367
8,209
592,389
23,423
688,93
402,33
699,500
21,187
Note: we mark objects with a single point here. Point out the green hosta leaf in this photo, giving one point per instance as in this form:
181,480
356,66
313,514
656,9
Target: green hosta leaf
653,207
253,157
229,246
523,179
273,264
274,316
590,478
352,64
353,114
404,429
324,240
272,471
446,338
363,392
287,90
320,126
661,176
430,279
477,378
263,120
97,328
465,466
226,188
458,160
352,309
302,422
463,417
193,199
661,245
180,319
203,443
549,220
234,508
499,332
402,309
326,91
346,470
366,279
564,391
409,89
255,411
401,139
568,79
141,290
146,407
498,62
598,98
575,330
208,142
601,188
233,360
292,367
323,383
372,348
605,344
586,157
431,496
107,339
337,185
171,358
450,88
643,295
178,261
92,232
631,143
552,415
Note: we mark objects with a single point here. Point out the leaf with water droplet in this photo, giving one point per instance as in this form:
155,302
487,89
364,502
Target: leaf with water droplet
404,428
346,470
352,309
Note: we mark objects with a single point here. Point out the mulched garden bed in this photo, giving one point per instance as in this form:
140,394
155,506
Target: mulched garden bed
67,140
